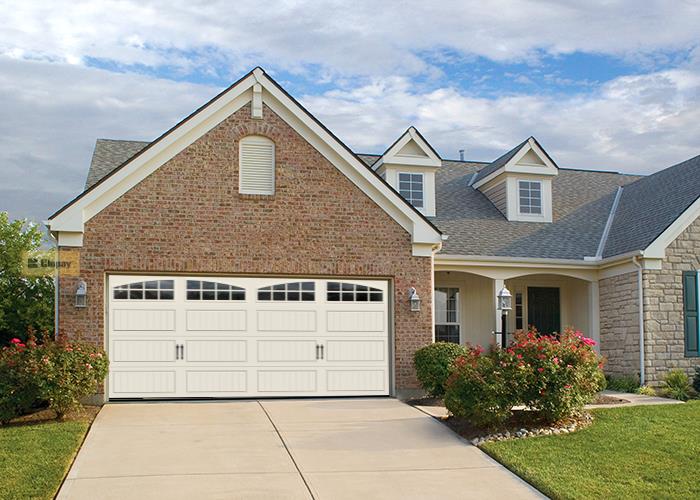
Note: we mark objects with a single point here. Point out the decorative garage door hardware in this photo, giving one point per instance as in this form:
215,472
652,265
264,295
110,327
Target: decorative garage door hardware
247,337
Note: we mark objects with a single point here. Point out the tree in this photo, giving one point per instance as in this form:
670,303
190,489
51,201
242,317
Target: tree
25,301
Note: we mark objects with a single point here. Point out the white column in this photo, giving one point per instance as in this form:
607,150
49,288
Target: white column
593,313
497,286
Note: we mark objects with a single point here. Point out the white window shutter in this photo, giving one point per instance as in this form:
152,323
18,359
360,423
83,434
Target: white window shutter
256,165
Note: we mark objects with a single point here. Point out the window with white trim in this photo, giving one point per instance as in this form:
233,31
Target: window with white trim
351,292
530,197
411,188
447,315
256,162
145,290
304,291
213,290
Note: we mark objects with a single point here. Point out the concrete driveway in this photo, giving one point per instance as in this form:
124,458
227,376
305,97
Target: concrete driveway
286,449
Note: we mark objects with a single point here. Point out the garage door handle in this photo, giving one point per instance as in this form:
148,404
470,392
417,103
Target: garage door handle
318,350
321,351
177,352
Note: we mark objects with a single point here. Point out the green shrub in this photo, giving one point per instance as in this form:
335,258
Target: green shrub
677,385
696,380
433,363
57,373
553,377
625,383
479,390
18,390
645,390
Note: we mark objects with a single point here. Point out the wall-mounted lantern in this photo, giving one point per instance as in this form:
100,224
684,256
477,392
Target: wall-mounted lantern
414,299
505,304
81,294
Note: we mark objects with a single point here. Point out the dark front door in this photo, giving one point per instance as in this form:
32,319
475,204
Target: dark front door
543,309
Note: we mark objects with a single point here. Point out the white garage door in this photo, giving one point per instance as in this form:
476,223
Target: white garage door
177,337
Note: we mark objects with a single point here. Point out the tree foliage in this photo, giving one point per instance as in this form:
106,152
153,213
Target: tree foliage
25,301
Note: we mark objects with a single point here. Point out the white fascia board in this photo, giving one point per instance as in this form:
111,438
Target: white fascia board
349,164
122,180
657,249
513,261
392,157
511,166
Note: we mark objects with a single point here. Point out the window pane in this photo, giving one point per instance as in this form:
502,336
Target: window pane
238,295
166,295
151,285
121,294
333,286
447,333
348,296
208,295
208,285
293,286
135,294
307,296
361,296
375,296
333,297
307,285
223,295
278,296
151,294
136,286
193,285
292,295
348,287
193,295
264,295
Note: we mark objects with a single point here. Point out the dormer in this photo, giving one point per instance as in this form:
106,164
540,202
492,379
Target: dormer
519,183
409,166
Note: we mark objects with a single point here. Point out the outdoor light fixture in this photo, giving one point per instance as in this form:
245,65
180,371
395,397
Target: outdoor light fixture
414,299
505,305
81,294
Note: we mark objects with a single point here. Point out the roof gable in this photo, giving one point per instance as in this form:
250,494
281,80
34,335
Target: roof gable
254,86
410,148
527,157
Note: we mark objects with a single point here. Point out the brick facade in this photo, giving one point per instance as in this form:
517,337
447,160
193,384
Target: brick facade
663,314
663,307
619,324
188,217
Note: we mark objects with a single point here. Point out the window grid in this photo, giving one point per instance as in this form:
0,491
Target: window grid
212,290
145,290
518,311
530,197
447,315
411,188
351,292
293,292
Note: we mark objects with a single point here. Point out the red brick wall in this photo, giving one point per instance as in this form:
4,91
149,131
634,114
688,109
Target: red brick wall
188,217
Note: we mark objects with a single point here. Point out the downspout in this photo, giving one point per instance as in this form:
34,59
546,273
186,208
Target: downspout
55,286
640,291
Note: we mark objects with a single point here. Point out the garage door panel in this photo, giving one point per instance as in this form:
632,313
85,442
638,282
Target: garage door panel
356,350
287,381
180,345
216,320
125,383
143,320
215,350
356,321
217,381
143,350
356,380
286,321
286,350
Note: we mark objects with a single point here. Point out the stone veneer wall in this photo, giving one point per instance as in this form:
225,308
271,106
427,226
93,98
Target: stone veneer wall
663,307
188,217
619,324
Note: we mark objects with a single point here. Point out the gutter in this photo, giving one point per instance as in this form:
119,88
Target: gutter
640,289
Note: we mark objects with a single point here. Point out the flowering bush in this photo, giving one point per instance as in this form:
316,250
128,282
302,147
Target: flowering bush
553,377
479,389
59,373
433,363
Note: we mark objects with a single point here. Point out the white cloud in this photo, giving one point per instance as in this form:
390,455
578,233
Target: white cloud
352,38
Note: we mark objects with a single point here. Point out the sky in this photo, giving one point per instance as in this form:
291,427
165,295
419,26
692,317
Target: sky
610,85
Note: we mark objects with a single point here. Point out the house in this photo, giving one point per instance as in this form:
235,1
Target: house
248,252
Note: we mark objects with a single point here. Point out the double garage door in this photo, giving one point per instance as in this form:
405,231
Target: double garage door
179,337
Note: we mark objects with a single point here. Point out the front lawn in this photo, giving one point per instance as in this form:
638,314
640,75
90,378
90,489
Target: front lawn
35,455
634,452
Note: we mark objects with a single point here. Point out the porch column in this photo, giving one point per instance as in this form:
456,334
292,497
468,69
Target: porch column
593,313
497,286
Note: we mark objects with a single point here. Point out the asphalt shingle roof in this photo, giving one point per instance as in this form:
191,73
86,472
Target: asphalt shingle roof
499,162
108,155
651,204
582,201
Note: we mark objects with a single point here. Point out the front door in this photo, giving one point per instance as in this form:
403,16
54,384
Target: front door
543,309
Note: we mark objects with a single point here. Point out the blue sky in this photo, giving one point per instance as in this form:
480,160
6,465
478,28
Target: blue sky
611,85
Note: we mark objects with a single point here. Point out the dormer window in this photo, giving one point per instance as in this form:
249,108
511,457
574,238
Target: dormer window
530,197
411,188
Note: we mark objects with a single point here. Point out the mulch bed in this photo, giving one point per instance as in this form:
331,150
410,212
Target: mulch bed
86,413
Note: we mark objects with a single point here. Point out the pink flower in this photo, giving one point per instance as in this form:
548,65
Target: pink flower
555,360
15,341
540,369
520,356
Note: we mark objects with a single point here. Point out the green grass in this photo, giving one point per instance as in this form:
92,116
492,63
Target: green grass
35,457
635,452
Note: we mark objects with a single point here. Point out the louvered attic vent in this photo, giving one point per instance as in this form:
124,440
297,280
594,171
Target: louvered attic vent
256,165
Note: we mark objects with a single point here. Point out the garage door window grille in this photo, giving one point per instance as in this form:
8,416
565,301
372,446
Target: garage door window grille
146,290
351,292
300,291
213,290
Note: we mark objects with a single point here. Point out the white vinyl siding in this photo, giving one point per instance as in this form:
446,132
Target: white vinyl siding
256,165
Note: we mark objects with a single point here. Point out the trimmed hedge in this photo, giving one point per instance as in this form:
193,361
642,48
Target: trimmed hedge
433,363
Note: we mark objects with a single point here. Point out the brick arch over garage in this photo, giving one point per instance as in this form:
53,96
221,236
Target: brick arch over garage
187,217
